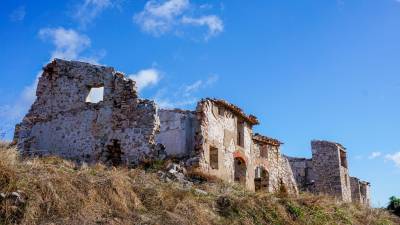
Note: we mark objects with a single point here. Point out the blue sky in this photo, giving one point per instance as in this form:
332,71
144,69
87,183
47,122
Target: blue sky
308,69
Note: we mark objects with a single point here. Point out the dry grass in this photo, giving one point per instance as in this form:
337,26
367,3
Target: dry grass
59,192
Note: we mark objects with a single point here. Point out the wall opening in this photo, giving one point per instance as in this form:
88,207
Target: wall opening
221,111
343,159
95,95
114,154
240,170
264,151
261,180
214,158
240,133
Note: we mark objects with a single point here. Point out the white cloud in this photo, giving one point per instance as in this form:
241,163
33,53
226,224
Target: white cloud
160,17
214,24
183,96
69,44
375,155
146,78
394,157
88,10
18,14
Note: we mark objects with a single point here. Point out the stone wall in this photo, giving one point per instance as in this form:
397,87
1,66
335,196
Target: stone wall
218,129
327,173
331,177
217,138
119,129
365,193
360,191
304,173
355,190
177,132
275,164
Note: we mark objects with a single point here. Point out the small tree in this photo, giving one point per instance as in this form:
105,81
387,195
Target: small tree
394,205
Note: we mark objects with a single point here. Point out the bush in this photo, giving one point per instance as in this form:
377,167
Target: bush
394,205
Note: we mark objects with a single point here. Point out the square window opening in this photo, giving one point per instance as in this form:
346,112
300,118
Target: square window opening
96,95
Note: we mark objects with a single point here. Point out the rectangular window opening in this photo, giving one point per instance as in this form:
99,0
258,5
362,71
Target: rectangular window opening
240,133
214,158
343,159
264,152
95,95
221,111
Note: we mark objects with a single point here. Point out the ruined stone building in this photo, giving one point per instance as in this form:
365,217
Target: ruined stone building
216,138
62,121
327,172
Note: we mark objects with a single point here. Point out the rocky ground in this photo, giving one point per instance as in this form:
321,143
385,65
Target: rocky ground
56,191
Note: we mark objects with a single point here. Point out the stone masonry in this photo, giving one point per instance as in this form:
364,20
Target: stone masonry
120,129
216,139
327,173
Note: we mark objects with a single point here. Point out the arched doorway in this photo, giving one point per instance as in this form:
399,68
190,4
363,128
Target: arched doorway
261,179
240,170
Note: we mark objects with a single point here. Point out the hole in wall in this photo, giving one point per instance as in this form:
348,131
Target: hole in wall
114,153
214,158
95,95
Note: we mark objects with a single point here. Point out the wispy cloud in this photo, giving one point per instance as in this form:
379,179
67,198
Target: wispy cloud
214,24
394,157
69,44
184,96
146,78
375,155
18,14
161,17
87,10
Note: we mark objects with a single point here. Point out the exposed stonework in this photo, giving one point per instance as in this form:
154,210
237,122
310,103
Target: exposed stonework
217,138
360,191
327,173
119,129
304,173
226,147
177,132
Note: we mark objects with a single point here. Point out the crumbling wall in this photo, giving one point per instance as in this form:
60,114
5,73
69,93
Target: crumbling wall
331,176
355,190
218,129
286,176
121,128
304,173
177,132
360,191
365,193
277,165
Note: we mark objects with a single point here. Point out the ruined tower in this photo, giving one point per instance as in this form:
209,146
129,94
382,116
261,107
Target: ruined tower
331,169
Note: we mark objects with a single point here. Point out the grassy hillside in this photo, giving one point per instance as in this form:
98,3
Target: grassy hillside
55,191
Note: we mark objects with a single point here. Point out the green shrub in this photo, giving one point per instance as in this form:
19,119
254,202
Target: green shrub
394,205
295,211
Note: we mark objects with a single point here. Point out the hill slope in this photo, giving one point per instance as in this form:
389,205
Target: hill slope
56,191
